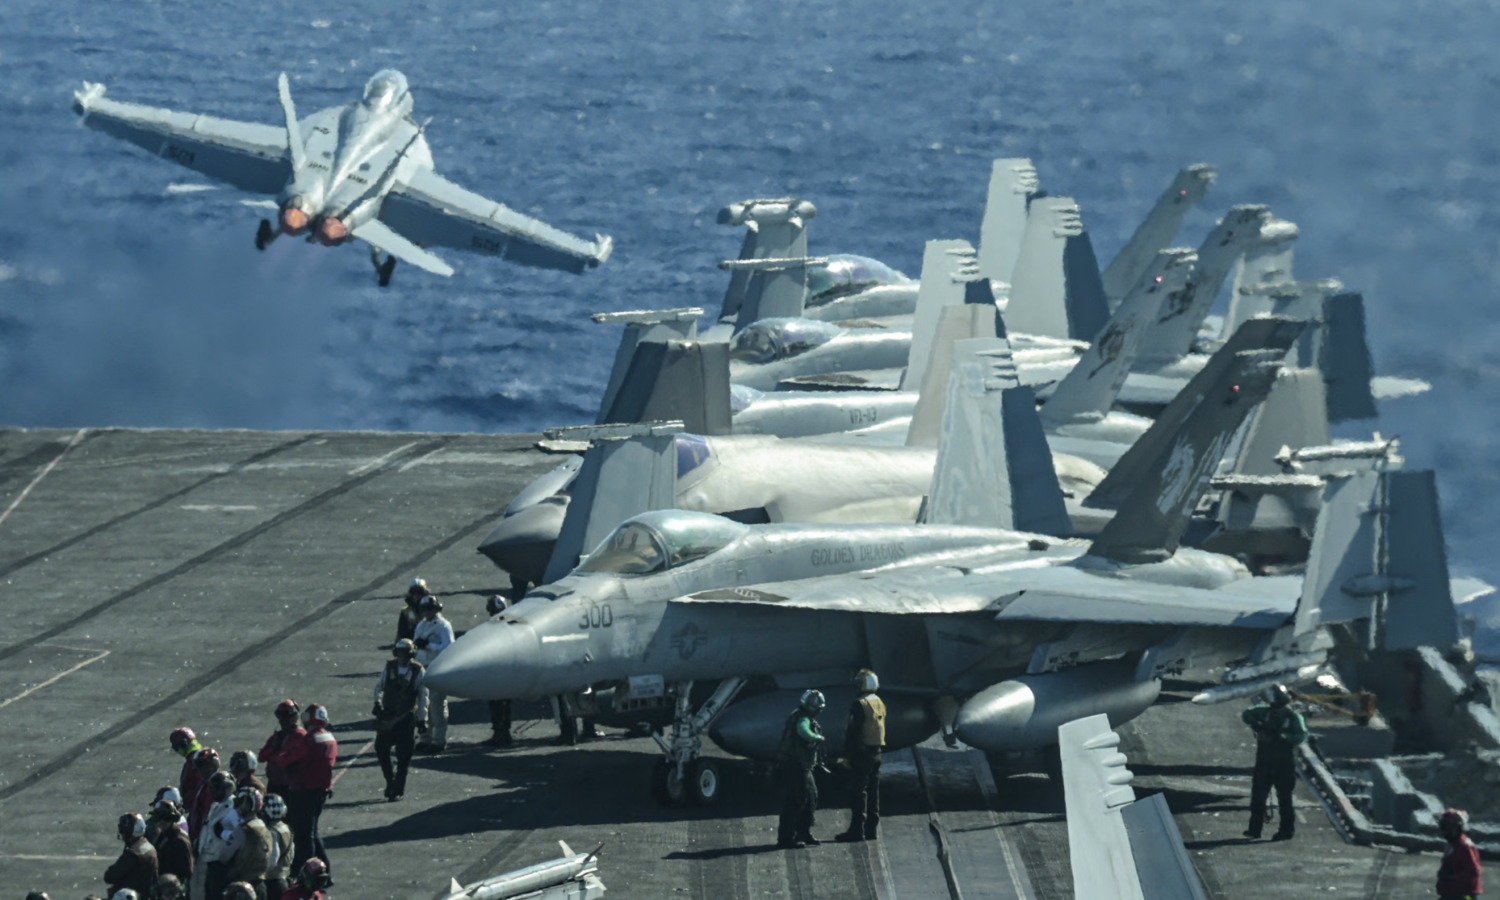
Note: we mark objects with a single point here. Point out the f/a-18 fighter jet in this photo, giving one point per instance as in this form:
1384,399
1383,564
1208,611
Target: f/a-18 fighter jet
1000,634
358,171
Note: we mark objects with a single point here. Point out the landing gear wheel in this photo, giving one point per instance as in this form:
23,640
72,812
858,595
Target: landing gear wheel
704,782
264,235
385,269
667,787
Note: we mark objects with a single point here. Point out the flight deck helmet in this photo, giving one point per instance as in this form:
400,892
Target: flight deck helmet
404,649
181,739
316,712
131,827
866,681
1453,822
288,709
1278,695
274,808
431,604
813,702
314,874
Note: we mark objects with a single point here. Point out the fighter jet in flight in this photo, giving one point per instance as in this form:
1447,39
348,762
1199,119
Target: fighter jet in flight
358,171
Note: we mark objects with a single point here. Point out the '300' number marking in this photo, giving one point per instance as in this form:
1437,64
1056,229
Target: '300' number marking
598,615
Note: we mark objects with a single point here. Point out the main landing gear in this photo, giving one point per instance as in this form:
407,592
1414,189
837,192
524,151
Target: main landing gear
383,267
265,234
684,775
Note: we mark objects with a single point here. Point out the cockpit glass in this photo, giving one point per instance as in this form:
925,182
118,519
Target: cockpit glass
741,396
633,549
846,273
385,88
772,339
692,452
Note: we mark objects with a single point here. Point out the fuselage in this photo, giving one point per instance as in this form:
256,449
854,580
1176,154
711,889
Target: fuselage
595,627
353,155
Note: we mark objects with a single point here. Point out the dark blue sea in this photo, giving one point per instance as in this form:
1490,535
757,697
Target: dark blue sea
128,297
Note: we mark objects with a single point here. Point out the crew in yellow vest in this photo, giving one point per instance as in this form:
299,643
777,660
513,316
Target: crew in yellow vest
864,736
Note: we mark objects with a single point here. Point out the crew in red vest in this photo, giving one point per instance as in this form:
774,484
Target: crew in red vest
308,760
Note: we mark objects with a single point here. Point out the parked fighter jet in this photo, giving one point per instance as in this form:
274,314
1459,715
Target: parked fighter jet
362,170
1012,633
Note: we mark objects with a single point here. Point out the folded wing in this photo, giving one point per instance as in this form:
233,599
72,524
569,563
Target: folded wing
431,211
247,155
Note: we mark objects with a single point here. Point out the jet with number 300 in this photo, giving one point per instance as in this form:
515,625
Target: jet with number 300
358,171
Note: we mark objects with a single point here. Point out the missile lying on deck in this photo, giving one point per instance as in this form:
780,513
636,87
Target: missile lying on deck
570,878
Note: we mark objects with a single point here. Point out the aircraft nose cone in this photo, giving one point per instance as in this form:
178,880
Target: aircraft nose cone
498,660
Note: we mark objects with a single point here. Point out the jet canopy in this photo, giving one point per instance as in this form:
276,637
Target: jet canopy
846,273
385,89
773,339
741,396
661,540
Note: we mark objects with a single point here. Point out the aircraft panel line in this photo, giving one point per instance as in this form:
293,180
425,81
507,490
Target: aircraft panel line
234,468
208,555
207,679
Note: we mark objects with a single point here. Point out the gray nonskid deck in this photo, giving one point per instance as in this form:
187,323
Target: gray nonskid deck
163,578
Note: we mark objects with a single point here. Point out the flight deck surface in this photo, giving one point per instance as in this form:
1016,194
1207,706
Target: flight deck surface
162,578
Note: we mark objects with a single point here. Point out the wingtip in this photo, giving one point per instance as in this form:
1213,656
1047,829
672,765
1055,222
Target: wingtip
604,245
84,99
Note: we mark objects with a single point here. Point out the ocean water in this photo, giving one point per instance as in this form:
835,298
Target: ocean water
131,294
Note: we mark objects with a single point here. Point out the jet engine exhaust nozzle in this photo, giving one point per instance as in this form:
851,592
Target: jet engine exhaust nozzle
293,221
331,232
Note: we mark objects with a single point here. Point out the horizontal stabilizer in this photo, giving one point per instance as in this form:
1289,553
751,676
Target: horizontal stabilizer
381,237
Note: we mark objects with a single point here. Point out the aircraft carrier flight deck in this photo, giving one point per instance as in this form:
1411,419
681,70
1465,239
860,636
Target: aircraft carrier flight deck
158,578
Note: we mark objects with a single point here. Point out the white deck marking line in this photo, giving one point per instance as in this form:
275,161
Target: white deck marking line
43,474
382,460
345,767
39,856
421,460
53,680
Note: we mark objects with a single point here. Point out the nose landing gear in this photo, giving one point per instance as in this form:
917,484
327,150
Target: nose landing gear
684,775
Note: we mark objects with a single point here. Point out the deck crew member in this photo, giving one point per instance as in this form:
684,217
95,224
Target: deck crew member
434,635
287,728
400,709
135,870
411,614
279,866
1459,875
500,721
309,760
864,736
1278,730
796,757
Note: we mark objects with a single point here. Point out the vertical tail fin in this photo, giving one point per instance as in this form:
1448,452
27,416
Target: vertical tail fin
1088,391
642,325
1266,262
667,380
1159,481
993,464
1378,557
1156,231
958,323
1013,183
1055,290
779,287
1176,326
628,470
1292,417
1345,358
945,266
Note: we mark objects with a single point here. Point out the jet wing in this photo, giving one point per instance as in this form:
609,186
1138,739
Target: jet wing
431,211
1029,591
248,155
